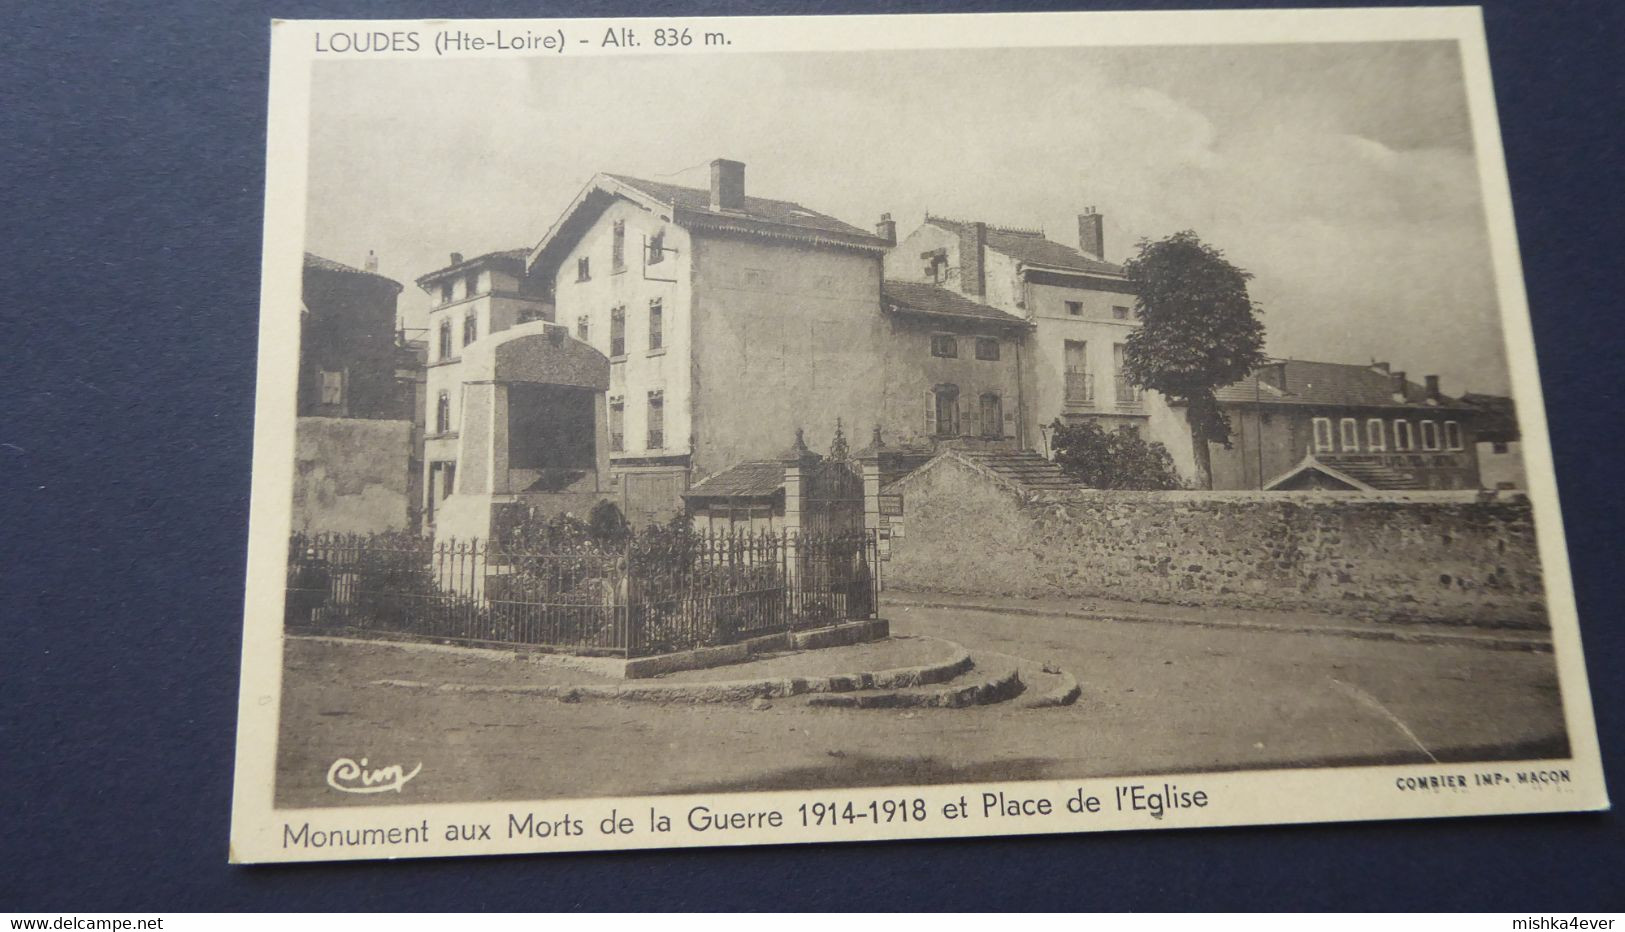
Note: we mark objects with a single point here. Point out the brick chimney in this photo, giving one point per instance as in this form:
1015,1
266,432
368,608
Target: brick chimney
1433,387
372,262
456,258
1379,367
1092,234
727,184
886,229
972,276
1399,386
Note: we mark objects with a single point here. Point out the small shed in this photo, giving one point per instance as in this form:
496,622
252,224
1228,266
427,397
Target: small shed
744,498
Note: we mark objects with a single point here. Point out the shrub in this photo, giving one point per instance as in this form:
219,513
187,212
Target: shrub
1118,459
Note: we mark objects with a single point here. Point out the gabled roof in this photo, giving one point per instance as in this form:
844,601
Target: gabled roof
505,260
1360,474
1328,384
934,301
747,480
691,208
1033,248
322,263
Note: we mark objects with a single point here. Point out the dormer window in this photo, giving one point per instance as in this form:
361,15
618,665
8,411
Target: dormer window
445,292
471,284
583,269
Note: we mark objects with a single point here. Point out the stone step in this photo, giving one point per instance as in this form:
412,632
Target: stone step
993,679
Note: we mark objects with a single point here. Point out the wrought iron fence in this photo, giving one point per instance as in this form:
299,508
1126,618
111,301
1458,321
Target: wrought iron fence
658,593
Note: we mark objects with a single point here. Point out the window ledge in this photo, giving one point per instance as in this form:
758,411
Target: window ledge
656,352
620,358
448,435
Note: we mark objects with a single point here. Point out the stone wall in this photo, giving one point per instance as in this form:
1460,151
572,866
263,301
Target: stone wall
351,475
1444,557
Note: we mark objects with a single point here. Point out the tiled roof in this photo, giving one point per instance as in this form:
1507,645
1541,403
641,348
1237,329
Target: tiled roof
1033,248
922,298
1327,384
1498,417
1375,475
759,479
313,261
757,209
508,260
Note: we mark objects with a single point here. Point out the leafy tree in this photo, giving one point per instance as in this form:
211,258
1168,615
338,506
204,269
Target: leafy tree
1198,331
1118,459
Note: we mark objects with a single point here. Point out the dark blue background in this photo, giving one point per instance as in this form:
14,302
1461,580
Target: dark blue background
132,146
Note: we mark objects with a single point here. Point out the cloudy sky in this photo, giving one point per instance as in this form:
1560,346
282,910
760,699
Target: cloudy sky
1342,176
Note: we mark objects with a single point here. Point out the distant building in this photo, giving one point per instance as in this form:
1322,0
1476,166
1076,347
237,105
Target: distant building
356,452
469,299
1078,310
1500,452
731,320
1296,424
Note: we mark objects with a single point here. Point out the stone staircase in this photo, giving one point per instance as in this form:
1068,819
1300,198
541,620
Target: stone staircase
1028,470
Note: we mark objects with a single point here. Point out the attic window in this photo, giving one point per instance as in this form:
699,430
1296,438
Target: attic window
583,269
1074,308
944,345
445,292
1119,312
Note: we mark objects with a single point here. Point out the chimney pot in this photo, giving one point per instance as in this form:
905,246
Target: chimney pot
1400,385
727,184
1092,234
456,258
886,229
372,262
1433,387
972,276
1380,366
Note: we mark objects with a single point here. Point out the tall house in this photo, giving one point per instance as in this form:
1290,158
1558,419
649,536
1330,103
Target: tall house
1079,307
729,321
347,343
469,299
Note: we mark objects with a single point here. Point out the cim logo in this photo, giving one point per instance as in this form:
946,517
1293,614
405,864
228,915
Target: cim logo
348,776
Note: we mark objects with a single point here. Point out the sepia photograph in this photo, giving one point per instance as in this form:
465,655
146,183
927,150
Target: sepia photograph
910,426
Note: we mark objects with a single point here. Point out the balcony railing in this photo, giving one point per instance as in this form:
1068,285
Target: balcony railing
1128,393
1080,387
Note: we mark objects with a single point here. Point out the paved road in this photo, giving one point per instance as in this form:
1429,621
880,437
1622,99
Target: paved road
1157,698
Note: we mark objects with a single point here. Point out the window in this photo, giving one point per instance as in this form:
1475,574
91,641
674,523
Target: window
1350,430
1127,392
944,412
1430,435
471,328
1452,435
1323,435
944,345
1080,388
617,424
471,284
449,473
442,414
617,332
445,339
1074,308
583,332
332,388
1376,435
992,415
1119,312
1499,446
1402,435
987,348
583,269
445,292
657,420
657,333
657,248
617,249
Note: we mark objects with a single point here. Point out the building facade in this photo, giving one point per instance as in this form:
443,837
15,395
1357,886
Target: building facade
731,320
1079,309
1298,424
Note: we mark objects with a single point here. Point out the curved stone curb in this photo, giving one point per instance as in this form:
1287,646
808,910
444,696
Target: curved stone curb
727,691
1065,691
986,692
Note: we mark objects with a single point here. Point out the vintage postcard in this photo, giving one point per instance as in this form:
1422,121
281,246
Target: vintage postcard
763,430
